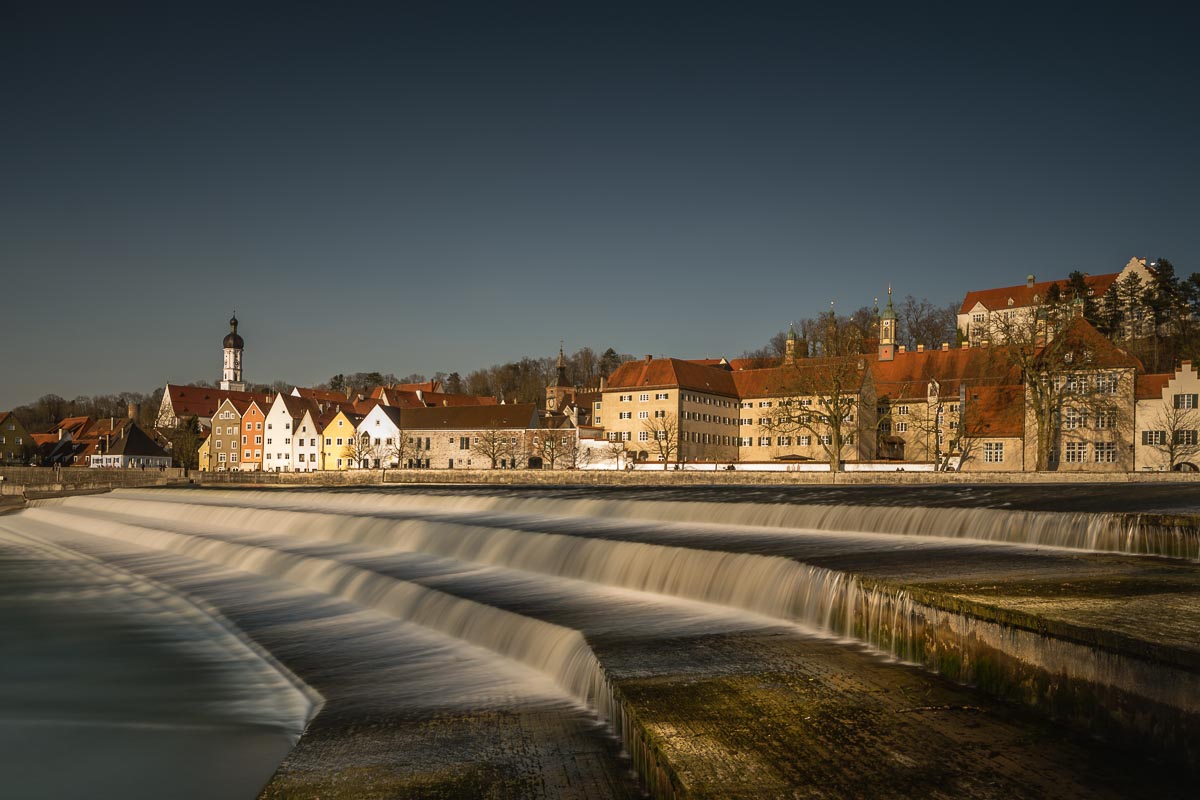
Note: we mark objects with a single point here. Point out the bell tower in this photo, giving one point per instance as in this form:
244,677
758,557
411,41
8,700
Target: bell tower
559,392
887,331
231,369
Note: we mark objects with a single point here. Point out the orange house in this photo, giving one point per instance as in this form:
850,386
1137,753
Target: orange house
252,437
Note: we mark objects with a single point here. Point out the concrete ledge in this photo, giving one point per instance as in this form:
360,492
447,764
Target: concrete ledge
675,478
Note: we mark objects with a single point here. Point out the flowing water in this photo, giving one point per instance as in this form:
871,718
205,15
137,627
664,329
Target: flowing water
480,602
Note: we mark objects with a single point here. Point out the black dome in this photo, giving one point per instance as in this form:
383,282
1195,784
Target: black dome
232,339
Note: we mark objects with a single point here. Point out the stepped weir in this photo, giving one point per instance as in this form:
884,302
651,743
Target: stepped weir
459,643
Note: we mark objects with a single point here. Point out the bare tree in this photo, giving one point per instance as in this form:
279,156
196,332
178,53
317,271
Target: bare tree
1071,375
921,322
1175,435
823,400
360,451
517,449
552,446
400,448
575,455
491,444
664,436
614,451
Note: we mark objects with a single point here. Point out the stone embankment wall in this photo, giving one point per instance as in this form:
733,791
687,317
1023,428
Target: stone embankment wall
670,477
30,481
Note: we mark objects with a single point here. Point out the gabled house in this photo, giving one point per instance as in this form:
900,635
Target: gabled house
281,424
252,435
1167,431
16,445
132,448
225,449
337,440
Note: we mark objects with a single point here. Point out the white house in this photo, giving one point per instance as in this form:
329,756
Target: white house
132,449
282,422
382,426
306,438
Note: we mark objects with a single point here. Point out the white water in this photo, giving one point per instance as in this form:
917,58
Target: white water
1119,533
309,540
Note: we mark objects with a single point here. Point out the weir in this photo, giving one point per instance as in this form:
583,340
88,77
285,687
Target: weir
539,582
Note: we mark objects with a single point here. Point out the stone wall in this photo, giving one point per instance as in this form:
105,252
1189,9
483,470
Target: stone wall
671,477
19,480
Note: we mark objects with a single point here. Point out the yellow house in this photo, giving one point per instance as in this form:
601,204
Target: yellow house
334,438
204,455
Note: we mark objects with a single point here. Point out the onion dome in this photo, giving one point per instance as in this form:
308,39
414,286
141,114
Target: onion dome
232,340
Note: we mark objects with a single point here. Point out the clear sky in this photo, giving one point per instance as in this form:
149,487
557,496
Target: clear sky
423,186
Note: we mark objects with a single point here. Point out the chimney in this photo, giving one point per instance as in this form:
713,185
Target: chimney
1030,280
983,343
420,397
603,382
945,345
60,434
131,410
902,349
920,348
966,345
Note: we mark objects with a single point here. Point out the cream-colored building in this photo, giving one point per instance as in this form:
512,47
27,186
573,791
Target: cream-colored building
695,405
986,315
1167,430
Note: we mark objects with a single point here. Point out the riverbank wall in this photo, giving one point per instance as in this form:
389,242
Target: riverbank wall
672,478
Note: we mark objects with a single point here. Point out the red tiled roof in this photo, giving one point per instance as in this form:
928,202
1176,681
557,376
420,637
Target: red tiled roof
672,372
1023,294
908,374
805,376
1092,347
324,395
516,416
200,401
1150,387
997,411
76,426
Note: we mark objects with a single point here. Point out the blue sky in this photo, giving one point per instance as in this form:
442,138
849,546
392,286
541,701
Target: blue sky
414,187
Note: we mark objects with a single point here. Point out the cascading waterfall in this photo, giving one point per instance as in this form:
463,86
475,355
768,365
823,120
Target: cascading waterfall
560,653
889,618
882,616
1134,534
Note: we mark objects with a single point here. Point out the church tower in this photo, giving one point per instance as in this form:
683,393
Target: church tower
231,374
789,353
560,391
887,331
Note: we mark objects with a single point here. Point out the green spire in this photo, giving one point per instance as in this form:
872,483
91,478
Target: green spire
791,332
889,312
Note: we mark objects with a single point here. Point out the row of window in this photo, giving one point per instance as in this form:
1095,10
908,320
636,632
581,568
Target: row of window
1102,452
1160,437
1076,418
643,398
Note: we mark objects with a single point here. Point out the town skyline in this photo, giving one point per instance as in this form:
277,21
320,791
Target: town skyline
447,188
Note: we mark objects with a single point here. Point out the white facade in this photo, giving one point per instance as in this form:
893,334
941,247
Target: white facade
379,425
306,443
277,438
